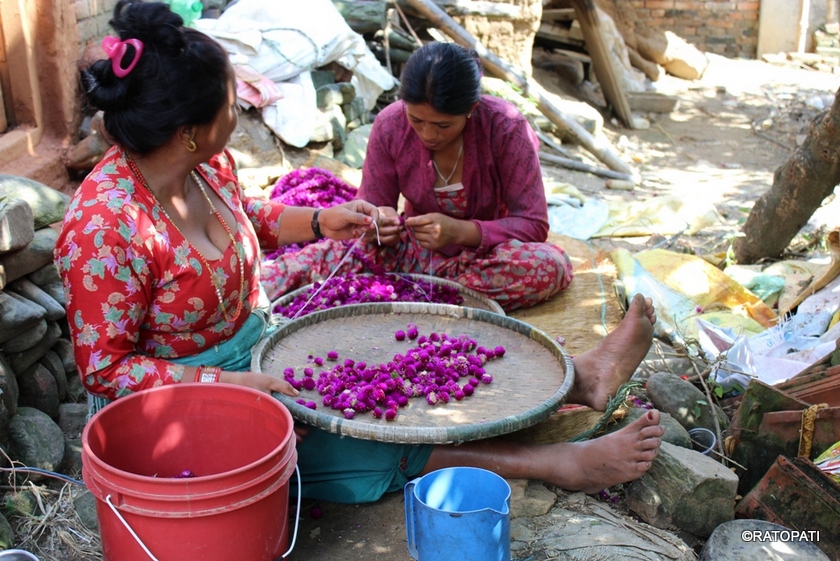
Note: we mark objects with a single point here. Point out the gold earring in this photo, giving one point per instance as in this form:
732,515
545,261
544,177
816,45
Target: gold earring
191,147
469,115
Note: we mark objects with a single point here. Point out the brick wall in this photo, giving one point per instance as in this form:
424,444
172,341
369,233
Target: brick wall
724,27
92,17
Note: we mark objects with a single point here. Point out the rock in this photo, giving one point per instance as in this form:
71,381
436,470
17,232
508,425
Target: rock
22,360
33,292
64,349
27,339
355,147
5,418
7,535
72,418
8,387
48,205
529,499
84,503
520,532
675,433
683,401
677,56
38,390
16,225
330,125
581,528
76,390
766,543
17,314
56,292
21,503
46,274
52,362
38,253
35,441
356,113
71,463
686,489
334,94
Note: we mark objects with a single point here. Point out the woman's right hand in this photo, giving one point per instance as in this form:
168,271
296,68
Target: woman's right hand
390,227
257,381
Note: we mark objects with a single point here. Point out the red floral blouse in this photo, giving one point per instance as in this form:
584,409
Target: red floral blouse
137,291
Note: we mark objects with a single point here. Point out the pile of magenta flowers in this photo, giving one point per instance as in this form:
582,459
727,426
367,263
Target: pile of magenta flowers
363,289
439,368
314,188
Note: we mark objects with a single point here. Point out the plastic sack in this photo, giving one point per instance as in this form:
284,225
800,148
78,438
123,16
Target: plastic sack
705,285
283,41
571,214
662,215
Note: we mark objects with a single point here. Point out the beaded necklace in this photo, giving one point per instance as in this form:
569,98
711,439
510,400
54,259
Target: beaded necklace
216,286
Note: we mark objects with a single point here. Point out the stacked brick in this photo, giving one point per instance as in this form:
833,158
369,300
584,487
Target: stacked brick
714,26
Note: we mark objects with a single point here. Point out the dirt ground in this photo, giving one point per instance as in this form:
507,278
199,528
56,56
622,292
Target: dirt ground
730,132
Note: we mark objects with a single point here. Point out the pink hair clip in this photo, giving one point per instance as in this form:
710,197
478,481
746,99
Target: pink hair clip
115,49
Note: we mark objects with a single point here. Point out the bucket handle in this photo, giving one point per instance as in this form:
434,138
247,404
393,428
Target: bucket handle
297,516
409,519
130,529
153,558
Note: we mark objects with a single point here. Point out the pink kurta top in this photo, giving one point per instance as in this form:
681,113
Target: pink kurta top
501,172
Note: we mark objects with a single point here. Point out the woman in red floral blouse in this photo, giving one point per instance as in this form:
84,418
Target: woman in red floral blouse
159,251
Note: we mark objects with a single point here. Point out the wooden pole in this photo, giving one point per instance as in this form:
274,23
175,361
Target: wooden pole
598,146
602,62
569,163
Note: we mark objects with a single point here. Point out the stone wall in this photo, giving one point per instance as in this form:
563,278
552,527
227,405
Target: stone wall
714,26
42,401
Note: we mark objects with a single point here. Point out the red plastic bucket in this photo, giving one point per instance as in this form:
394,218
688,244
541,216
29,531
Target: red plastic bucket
239,444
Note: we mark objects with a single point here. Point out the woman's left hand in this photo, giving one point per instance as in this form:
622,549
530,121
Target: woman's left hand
435,231
348,220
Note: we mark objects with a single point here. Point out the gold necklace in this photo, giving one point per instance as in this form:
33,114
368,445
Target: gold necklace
457,160
216,286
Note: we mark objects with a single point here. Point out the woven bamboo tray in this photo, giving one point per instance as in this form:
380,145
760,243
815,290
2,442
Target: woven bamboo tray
472,299
529,383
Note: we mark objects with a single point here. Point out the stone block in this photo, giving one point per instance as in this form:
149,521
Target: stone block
48,205
35,440
38,253
16,224
684,489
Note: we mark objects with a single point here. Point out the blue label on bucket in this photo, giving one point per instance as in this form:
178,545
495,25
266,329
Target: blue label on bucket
458,514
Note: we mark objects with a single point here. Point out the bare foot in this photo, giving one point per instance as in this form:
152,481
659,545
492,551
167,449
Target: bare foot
590,466
618,457
599,372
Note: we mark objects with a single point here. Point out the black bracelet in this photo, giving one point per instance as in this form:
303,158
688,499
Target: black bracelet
316,227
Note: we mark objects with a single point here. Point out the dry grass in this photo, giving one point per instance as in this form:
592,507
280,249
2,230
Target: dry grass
51,529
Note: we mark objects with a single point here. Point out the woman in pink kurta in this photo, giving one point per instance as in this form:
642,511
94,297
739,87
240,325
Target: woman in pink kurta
467,166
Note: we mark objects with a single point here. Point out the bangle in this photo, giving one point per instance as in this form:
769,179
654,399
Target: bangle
207,374
316,227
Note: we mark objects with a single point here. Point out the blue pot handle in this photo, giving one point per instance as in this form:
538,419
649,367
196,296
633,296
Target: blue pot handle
409,519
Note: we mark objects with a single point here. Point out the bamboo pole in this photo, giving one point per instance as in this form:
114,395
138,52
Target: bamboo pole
598,146
569,163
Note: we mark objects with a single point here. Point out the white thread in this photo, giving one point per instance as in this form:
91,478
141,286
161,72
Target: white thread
332,274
